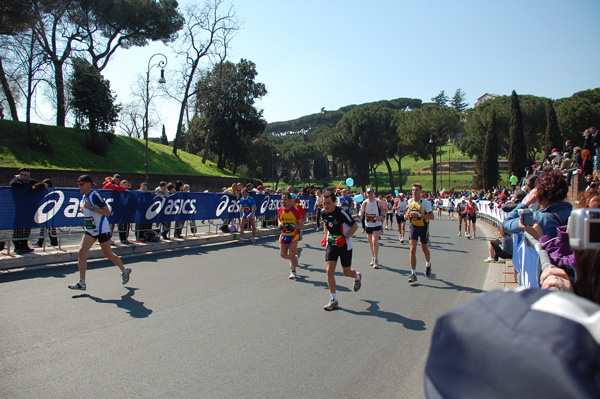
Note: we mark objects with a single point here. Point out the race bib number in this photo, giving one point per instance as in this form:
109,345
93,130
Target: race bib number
371,218
246,209
89,223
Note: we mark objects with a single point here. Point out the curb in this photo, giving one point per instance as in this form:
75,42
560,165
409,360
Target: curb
68,254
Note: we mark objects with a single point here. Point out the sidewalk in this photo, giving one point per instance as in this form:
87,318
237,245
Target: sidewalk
68,253
501,275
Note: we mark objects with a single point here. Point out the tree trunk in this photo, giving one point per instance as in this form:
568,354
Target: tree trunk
9,97
434,170
61,108
373,170
389,168
184,104
399,162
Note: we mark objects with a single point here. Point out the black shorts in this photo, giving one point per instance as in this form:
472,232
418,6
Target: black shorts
472,218
101,237
400,219
345,255
417,232
371,230
390,217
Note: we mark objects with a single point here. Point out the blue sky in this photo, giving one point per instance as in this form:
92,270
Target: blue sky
313,54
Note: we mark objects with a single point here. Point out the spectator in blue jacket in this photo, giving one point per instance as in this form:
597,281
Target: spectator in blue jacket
550,191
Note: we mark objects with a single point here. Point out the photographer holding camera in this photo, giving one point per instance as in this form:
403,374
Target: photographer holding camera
550,192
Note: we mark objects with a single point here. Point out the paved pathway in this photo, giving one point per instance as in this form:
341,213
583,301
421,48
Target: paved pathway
223,321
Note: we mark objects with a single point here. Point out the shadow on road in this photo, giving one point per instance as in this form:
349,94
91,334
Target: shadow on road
374,311
135,308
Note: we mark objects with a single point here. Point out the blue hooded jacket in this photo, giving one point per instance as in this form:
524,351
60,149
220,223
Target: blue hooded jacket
548,218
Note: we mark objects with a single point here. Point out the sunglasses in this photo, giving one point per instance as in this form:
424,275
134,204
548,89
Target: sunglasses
81,183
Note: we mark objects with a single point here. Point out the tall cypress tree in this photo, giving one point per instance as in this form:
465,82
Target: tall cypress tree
164,139
491,173
553,136
517,152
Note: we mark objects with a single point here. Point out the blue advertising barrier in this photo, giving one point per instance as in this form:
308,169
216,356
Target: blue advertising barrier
21,208
525,261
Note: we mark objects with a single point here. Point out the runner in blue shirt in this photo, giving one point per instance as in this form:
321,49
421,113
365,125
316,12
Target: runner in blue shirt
346,201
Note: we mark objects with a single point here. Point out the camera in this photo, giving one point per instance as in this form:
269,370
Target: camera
584,229
526,216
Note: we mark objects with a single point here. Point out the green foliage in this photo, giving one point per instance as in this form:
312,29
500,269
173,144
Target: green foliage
125,154
553,136
164,140
441,99
517,154
577,113
92,101
329,119
228,119
491,172
458,101
359,139
533,108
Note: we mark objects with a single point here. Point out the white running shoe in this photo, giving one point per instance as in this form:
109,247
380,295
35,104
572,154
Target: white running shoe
292,276
375,264
459,233
372,262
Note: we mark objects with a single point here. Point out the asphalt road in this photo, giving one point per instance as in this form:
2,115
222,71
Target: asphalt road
224,321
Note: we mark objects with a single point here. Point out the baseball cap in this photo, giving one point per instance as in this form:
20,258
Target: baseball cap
260,187
370,189
85,178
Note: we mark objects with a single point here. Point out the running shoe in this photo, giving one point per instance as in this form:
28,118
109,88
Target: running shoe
372,262
125,275
489,259
77,286
333,304
402,240
358,283
467,235
240,241
375,264
292,276
428,270
459,233
412,278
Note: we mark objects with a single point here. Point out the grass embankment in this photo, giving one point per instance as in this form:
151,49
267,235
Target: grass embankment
64,148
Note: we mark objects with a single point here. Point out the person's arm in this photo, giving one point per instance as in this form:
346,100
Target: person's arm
512,219
253,211
556,277
353,230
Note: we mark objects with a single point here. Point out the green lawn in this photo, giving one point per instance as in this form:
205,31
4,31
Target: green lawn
67,150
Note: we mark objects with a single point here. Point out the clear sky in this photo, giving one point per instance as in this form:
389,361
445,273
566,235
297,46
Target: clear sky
331,53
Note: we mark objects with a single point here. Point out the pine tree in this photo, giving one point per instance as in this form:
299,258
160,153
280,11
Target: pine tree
441,99
554,138
517,152
458,101
490,155
164,139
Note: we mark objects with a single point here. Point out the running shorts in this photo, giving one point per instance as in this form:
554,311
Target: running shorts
371,230
472,218
400,219
100,237
417,232
344,254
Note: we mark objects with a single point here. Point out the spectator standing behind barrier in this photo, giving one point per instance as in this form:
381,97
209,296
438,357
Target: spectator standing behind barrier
124,227
23,180
178,223
143,231
550,191
161,191
50,230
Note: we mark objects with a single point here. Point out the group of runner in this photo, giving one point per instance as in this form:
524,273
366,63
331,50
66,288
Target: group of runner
339,227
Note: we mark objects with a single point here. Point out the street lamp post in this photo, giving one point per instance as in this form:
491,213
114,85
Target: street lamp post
433,139
161,64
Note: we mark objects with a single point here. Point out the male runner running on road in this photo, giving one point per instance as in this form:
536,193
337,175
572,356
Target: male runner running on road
461,209
471,217
374,212
290,223
420,212
400,205
247,211
339,227
95,216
